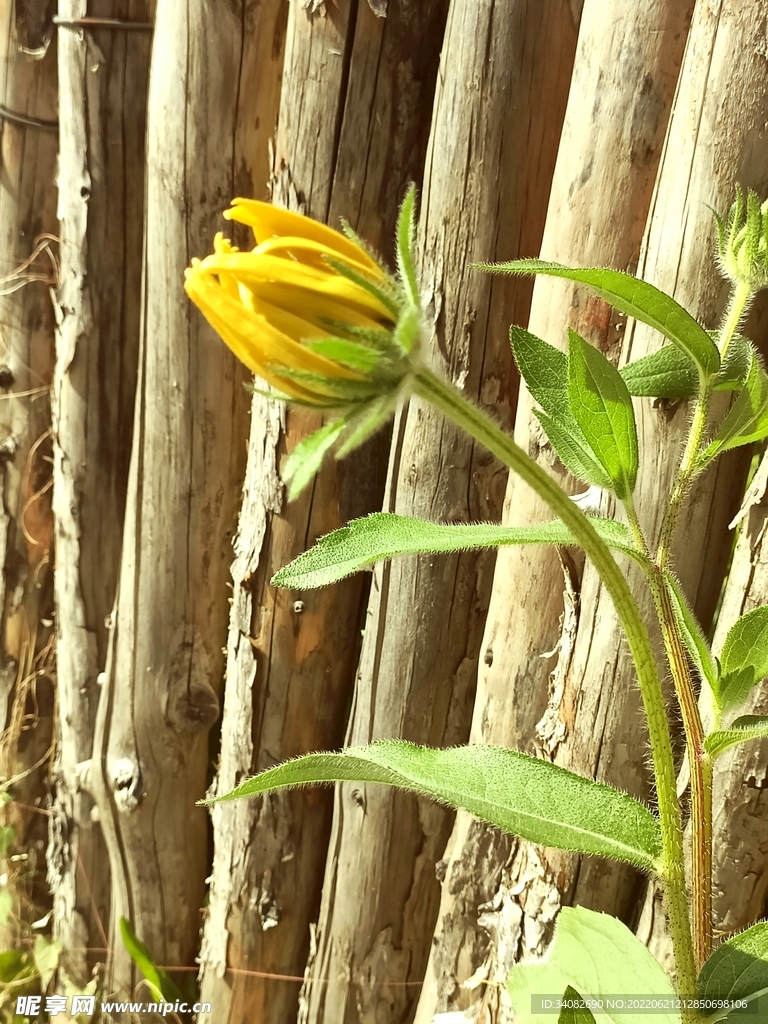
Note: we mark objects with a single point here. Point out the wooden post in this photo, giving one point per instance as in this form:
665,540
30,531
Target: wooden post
489,164
350,139
27,212
740,827
624,79
103,99
716,140
160,692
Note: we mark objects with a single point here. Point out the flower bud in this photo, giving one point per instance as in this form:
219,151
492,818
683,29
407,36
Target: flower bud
742,242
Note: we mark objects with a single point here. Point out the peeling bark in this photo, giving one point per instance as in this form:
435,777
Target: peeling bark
103,80
716,140
160,692
498,110
352,133
500,897
27,210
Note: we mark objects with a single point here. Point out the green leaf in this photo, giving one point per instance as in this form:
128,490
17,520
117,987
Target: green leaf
14,965
307,457
544,369
520,794
747,727
46,955
407,329
602,407
573,451
406,244
747,420
7,836
349,353
670,373
599,957
746,645
692,635
383,294
6,906
575,1014
161,985
735,687
383,535
636,298
372,417
738,969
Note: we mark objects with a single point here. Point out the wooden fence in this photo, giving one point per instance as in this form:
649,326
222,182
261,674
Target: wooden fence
590,132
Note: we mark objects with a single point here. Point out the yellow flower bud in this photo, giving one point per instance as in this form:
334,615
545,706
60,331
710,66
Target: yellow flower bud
303,282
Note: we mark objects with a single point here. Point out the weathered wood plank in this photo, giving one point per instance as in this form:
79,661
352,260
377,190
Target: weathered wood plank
165,664
503,82
27,211
352,132
717,139
499,897
103,87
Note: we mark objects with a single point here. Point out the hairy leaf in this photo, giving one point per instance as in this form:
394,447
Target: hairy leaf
747,420
696,643
383,534
746,645
602,407
544,369
636,298
738,969
307,457
575,1014
747,727
573,451
670,373
520,794
598,956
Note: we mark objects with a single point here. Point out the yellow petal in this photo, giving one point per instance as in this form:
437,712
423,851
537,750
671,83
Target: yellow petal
304,250
308,287
257,342
267,220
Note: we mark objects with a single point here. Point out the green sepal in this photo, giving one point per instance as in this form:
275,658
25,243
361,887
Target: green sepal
307,457
406,245
387,296
356,356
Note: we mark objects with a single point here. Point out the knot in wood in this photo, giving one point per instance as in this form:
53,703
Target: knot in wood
127,784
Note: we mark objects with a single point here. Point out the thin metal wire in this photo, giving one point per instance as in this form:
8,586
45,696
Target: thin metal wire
28,122
110,23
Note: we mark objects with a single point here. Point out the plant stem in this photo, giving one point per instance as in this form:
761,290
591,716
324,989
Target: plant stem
452,403
700,765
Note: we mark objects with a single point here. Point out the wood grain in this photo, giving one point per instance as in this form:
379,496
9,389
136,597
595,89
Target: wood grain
500,897
352,133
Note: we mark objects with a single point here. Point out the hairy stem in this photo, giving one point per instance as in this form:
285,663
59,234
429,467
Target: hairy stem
701,769
458,409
